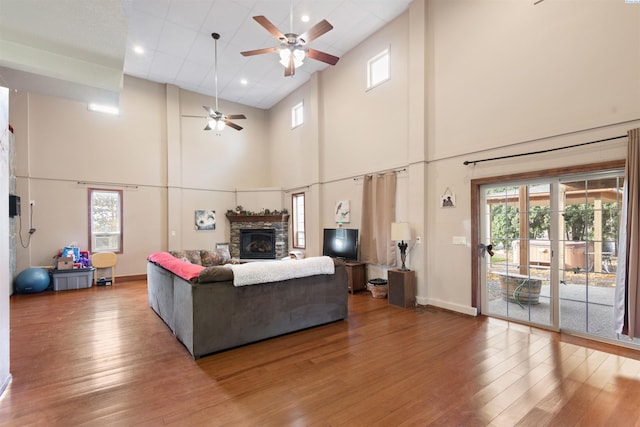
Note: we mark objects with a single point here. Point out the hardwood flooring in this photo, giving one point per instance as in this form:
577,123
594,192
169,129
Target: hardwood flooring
100,356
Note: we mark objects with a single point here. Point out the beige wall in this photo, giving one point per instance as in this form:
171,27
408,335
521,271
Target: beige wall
348,131
166,165
64,149
507,78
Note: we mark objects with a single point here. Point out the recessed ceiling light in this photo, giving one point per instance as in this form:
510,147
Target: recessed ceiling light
304,18
244,82
138,49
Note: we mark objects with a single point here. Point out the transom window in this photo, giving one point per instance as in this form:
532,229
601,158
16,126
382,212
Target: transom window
105,220
378,69
297,115
298,220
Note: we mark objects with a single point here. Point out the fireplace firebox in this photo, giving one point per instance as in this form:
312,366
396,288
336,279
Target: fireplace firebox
257,244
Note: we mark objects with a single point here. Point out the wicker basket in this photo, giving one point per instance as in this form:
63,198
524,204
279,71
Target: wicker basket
378,291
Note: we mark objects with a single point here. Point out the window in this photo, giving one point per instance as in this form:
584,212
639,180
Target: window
378,69
105,220
297,115
298,220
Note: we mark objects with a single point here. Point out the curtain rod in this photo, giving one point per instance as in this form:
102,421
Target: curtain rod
291,190
356,178
107,184
467,162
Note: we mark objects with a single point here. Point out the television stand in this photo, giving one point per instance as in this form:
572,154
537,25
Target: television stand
356,275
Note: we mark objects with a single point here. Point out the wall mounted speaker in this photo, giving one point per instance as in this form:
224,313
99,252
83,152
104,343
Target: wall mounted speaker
14,205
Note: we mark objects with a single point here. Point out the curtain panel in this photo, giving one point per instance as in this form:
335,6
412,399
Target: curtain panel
627,304
378,212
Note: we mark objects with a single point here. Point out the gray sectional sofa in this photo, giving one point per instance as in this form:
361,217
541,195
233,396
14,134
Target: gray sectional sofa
208,314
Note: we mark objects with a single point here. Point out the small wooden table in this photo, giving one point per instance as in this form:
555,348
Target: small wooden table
356,276
402,288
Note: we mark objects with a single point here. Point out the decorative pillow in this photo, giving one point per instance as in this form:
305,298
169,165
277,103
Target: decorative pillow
224,253
210,258
193,256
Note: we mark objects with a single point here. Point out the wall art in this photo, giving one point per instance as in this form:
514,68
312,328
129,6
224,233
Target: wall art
205,220
343,212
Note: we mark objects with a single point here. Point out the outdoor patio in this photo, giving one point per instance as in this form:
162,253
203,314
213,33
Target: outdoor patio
596,318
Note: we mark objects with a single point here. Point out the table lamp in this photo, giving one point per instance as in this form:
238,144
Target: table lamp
400,231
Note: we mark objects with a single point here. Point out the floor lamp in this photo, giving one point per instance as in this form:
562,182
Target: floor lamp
400,231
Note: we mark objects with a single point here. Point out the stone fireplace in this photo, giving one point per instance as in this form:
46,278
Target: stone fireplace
259,236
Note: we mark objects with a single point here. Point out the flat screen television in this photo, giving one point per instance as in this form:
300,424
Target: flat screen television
341,243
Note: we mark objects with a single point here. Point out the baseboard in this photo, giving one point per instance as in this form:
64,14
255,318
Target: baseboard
5,384
131,278
470,311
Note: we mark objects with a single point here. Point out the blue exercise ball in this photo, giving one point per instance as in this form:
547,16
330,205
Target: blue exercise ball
32,280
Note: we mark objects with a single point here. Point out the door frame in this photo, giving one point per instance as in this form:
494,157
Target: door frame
476,211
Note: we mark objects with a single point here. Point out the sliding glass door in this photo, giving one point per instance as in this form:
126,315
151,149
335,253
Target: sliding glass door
548,251
589,214
516,244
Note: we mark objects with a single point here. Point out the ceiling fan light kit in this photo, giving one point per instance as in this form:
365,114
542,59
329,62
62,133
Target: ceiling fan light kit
286,53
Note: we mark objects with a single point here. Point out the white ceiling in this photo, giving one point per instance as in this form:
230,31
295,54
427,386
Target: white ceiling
177,43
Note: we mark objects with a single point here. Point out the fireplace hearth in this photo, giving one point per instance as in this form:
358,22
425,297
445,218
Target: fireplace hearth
257,244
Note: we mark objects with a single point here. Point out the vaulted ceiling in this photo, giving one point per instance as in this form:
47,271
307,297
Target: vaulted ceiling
80,48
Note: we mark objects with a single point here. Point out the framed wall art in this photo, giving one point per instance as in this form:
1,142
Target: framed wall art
205,220
343,211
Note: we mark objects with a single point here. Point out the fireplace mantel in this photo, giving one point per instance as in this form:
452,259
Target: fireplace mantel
258,218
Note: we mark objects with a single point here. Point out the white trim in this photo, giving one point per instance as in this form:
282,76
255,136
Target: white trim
471,311
5,384
297,119
370,65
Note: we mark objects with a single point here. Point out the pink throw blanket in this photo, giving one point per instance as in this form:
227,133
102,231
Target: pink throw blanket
181,268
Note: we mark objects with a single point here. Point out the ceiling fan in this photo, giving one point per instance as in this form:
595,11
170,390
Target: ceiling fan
215,119
292,48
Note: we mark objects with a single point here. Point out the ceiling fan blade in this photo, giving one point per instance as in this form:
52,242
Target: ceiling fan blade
322,56
259,51
236,116
291,69
207,127
233,125
199,117
314,32
269,27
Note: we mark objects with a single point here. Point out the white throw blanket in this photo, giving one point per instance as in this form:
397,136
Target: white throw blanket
253,273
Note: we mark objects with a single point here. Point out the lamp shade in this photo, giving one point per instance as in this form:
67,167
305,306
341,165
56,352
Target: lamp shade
400,231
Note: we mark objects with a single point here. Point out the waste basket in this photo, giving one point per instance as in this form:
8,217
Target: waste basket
378,287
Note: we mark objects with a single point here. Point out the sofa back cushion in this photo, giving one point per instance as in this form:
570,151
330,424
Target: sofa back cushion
215,274
191,255
211,258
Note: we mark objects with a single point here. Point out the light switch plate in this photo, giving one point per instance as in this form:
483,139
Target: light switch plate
459,240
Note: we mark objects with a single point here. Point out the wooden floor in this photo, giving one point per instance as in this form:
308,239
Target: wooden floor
100,356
